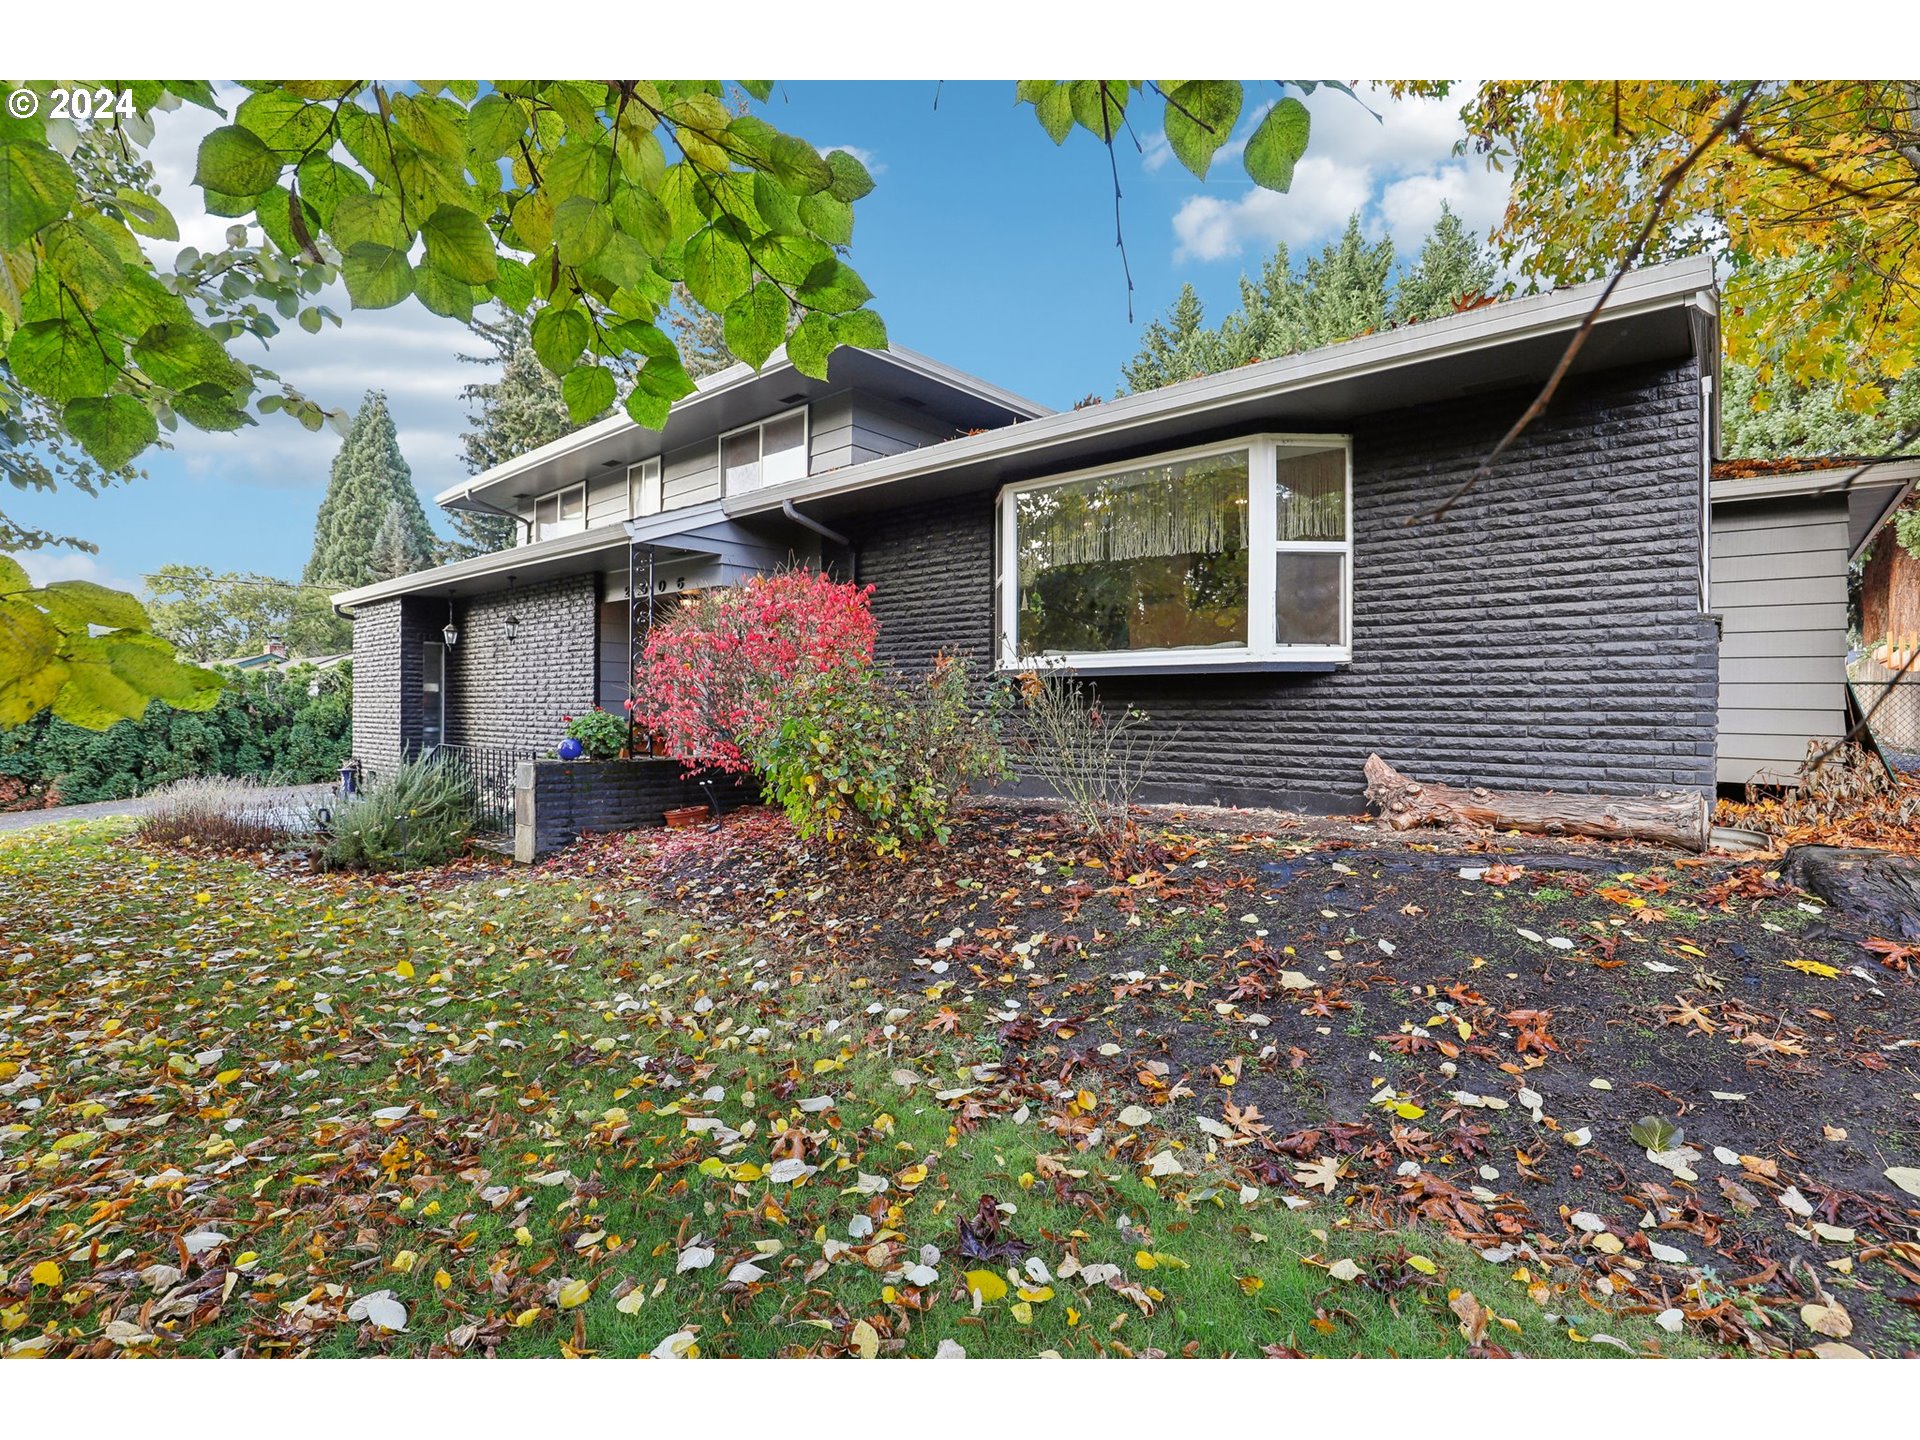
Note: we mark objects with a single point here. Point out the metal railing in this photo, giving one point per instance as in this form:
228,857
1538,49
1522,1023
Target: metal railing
491,769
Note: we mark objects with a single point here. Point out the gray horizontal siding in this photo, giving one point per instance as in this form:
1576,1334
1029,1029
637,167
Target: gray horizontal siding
1779,581
607,497
690,475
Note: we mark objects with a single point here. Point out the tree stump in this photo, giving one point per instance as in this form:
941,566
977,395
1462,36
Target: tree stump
1679,820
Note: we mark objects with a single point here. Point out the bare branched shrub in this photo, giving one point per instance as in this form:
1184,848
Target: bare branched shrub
1093,757
219,814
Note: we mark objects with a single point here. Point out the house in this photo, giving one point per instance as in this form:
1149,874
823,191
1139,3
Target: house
1254,558
1785,536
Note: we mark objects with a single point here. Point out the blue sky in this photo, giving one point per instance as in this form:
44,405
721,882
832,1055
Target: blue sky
985,245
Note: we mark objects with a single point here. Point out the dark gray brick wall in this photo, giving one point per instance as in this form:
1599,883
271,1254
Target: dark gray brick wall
1545,634
386,705
571,798
513,693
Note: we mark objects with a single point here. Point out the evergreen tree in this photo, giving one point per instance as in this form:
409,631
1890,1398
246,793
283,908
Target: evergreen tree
701,334
521,410
1271,319
1173,349
1792,419
369,476
393,552
1453,266
1347,289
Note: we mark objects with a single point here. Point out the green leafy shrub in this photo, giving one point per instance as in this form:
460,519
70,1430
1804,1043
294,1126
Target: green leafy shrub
216,813
601,734
865,750
420,815
265,727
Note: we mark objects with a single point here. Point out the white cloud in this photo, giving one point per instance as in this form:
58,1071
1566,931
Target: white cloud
43,567
409,353
1394,172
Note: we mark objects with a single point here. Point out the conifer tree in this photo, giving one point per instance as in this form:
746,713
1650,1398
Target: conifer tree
1453,266
369,476
520,410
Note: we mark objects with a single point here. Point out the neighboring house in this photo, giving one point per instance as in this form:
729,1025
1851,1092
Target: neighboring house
1785,533
1249,557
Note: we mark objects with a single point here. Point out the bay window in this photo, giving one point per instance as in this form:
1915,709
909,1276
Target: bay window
1237,554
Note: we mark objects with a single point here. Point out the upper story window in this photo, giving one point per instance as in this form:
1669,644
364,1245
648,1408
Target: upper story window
769,453
562,513
644,496
1241,552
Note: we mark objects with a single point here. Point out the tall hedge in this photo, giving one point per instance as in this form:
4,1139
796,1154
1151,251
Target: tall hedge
266,727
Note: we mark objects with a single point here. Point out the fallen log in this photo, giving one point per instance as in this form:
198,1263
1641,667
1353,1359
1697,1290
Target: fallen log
1878,888
1666,818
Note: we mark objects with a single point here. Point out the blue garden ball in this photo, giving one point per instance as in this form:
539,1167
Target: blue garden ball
570,749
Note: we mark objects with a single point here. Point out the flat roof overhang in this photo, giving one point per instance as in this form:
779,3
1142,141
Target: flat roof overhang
1878,491
699,532
738,396
1667,312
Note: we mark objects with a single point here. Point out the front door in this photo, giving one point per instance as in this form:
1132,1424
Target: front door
433,695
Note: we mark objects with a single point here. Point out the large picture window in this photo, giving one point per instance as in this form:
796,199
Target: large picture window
1240,553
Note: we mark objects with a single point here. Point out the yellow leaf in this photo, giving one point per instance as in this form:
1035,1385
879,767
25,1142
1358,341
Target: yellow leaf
404,969
527,1317
403,1262
1813,967
630,1303
574,1294
1021,1311
441,1280
48,1273
1423,1265
1036,1294
987,1285
1251,1284
226,1077
866,1340
1144,1259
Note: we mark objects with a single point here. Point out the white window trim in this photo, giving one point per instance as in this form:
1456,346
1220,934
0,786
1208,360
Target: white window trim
652,470
555,496
805,412
1263,542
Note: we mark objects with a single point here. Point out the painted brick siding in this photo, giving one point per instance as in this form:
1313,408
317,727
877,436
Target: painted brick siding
386,651
567,799
1547,633
513,693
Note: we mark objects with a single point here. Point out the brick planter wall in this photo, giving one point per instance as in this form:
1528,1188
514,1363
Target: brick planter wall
556,801
1546,633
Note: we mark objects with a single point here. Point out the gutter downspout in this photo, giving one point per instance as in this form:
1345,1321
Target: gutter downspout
826,533
466,498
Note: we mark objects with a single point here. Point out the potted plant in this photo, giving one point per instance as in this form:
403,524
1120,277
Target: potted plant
597,734
685,816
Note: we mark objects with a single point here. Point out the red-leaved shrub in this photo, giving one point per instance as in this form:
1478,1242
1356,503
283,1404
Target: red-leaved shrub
713,670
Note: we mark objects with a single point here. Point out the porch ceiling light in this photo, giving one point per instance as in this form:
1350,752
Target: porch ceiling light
513,627
450,632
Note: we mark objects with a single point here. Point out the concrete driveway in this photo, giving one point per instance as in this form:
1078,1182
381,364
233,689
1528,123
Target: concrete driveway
137,805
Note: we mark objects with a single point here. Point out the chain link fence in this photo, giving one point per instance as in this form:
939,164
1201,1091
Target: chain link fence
1890,699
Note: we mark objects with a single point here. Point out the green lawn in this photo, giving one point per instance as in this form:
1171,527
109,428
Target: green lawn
530,1109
